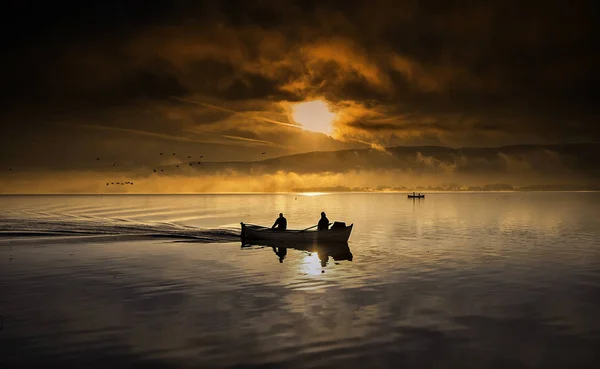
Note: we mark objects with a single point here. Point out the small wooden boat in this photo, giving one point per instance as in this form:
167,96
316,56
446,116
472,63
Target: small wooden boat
339,232
418,196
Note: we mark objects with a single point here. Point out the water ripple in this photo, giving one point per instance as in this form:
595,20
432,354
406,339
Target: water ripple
456,281
23,227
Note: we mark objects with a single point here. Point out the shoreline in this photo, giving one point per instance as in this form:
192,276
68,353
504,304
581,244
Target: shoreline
294,193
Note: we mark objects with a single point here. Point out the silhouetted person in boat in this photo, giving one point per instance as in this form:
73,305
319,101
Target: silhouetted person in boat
323,222
280,223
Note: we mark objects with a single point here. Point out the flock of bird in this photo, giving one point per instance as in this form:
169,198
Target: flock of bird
155,170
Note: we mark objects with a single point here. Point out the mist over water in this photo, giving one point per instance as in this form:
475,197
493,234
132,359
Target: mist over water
453,280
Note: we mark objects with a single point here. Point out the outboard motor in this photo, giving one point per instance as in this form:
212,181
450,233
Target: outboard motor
338,225
243,234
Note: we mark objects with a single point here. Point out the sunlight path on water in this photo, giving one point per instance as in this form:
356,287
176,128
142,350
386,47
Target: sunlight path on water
430,282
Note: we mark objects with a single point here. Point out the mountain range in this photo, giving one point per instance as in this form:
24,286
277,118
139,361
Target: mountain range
579,159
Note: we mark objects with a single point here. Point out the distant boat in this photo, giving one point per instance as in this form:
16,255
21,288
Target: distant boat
339,232
416,196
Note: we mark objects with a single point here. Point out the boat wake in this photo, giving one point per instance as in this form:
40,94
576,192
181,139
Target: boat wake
20,228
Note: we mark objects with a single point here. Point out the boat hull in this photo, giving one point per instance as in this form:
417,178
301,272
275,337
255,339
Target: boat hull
257,233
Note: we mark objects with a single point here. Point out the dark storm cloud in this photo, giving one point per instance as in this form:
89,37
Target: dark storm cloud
397,72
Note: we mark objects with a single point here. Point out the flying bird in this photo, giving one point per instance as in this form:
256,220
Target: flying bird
189,157
161,153
198,162
154,170
190,164
177,165
161,170
114,163
107,184
97,158
173,153
264,153
201,157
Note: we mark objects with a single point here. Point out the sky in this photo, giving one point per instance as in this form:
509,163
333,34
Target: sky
123,81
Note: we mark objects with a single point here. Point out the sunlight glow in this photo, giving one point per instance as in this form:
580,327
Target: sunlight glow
314,116
310,194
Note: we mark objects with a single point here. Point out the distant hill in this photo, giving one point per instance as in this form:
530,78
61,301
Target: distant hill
567,158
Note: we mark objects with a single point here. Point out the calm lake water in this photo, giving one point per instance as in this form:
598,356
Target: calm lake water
459,280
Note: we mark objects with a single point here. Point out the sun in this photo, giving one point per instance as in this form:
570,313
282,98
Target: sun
314,116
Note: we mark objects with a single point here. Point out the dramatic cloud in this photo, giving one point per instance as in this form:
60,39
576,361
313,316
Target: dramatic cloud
221,77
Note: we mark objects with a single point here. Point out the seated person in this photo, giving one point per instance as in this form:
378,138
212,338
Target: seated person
323,222
280,223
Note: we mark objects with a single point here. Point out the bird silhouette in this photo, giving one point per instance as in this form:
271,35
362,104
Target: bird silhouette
112,182
177,165
190,164
10,169
161,153
154,170
97,158
189,157
264,153
114,163
161,170
201,157
173,153
107,184
198,162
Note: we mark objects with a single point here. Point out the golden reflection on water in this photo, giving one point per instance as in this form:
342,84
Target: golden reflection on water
461,274
310,264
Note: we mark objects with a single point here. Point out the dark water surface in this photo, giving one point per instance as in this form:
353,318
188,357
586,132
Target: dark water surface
490,280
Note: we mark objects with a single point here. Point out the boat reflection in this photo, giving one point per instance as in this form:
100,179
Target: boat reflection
337,251
281,252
